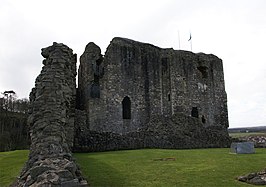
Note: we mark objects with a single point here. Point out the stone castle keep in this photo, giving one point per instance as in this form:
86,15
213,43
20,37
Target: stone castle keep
139,95
135,96
122,91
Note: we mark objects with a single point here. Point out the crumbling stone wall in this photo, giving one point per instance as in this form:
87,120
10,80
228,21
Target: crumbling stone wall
157,82
51,122
136,96
141,88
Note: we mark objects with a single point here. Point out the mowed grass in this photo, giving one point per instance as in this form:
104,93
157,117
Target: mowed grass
153,167
11,164
197,167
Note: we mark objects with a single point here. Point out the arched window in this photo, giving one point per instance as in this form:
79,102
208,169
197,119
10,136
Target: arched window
203,120
126,105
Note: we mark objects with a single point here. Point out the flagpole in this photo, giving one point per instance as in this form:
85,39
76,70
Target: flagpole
179,40
191,45
190,40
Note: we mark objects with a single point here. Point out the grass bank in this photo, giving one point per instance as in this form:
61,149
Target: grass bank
153,167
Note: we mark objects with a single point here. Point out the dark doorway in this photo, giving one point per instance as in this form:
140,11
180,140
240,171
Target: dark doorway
126,104
195,112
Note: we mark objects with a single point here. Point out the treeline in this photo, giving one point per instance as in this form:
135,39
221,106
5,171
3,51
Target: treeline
10,102
13,122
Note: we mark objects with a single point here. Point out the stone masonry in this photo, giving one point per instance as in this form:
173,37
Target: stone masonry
135,96
125,94
51,122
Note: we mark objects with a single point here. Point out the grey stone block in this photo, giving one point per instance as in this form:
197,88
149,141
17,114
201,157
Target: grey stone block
242,147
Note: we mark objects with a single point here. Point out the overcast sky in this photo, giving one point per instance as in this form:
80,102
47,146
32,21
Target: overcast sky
233,30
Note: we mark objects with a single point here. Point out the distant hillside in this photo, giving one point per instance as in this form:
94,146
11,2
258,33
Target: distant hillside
247,129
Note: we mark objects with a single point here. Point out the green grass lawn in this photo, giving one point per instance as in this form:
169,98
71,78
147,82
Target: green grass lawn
150,167
11,164
197,167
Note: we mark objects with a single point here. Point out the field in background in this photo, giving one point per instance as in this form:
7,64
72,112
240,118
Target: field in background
247,131
244,134
152,167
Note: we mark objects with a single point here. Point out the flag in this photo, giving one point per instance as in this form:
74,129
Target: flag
190,37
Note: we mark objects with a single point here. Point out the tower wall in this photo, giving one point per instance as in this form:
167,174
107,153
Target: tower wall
157,81
149,97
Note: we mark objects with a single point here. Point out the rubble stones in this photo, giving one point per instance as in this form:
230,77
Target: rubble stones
258,178
259,140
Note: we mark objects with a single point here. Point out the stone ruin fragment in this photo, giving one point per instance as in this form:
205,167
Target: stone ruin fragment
51,123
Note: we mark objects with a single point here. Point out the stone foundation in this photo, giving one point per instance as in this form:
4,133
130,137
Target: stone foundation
176,132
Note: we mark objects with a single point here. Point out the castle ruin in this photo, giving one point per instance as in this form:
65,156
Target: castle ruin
138,95
135,96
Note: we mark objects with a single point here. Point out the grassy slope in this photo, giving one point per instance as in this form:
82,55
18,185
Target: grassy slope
10,165
198,167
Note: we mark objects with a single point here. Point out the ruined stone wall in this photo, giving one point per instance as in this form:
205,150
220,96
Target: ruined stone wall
131,73
51,122
136,96
156,81
90,84
198,83
125,74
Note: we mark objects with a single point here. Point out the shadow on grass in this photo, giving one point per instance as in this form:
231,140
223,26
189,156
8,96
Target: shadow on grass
99,173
